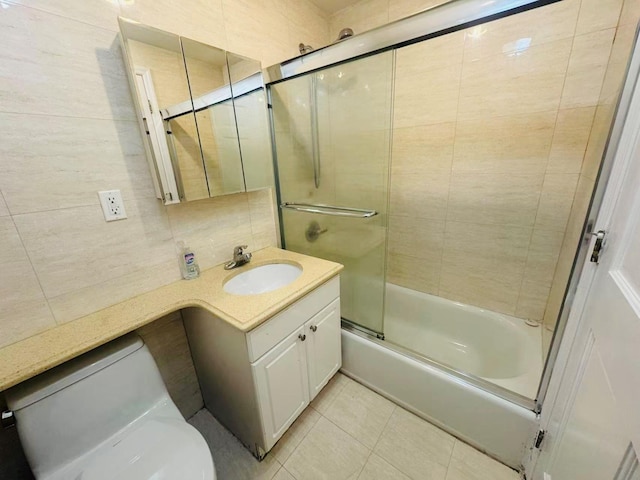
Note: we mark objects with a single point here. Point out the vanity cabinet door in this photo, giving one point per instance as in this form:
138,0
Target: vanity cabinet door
324,350
282,385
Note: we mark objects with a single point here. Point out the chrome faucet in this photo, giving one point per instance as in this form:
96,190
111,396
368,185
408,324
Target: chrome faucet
239,258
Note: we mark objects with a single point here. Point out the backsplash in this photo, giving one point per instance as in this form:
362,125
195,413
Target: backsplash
69,130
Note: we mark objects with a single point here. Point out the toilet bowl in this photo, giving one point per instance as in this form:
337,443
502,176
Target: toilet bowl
107,415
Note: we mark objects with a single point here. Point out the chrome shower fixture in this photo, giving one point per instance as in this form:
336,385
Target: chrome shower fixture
344,33
304,48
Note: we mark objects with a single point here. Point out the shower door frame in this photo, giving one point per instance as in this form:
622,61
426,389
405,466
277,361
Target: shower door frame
431,23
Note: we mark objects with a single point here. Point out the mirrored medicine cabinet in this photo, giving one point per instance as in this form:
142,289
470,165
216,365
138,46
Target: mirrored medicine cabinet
202,111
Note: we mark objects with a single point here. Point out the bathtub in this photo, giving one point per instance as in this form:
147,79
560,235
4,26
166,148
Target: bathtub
503,351
496,347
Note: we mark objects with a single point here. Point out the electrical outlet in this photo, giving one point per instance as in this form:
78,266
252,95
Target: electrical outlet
112,206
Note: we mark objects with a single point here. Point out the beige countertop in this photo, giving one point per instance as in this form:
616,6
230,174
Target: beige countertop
27,358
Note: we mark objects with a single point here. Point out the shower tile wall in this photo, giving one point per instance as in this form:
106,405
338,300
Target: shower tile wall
489,173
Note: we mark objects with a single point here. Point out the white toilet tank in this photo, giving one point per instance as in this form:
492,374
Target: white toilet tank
67,411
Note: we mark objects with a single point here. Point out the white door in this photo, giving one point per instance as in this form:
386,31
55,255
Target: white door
282,385
324,348
593,426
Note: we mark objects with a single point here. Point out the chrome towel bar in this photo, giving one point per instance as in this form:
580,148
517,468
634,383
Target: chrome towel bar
330,210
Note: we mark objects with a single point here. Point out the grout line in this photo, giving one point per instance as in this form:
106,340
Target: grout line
33,268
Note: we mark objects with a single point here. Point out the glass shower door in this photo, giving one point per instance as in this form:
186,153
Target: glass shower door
332,140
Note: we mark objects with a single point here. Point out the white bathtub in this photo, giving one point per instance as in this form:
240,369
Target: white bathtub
503,350
493,346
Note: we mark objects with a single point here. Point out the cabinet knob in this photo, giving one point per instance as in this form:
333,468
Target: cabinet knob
302,337
313,328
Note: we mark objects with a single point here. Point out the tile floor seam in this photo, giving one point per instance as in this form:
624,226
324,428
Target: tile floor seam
351,436
301,440
395,407
370,450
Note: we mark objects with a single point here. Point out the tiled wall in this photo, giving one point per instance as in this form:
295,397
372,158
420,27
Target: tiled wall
491,126
68,130
604,108
367,14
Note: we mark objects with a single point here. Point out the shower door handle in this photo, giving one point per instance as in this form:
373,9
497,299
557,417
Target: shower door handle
330,210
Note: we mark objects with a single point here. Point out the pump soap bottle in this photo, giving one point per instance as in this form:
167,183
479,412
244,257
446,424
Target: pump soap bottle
188,264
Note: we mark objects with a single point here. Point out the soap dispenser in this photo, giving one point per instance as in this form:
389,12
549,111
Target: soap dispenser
188,264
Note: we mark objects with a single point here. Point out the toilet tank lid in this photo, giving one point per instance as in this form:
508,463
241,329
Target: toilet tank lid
72,371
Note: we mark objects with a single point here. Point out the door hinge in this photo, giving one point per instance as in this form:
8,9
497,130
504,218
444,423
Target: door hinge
539,438
150,107
597,248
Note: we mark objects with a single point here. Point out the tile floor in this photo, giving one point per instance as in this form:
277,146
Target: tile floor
350,432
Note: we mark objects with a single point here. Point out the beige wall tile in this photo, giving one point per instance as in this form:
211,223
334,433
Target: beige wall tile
26,88
23,308
403,8
630,12
435,53
94,12
422,150
556,200
618,63
83,301
249,22
75,248
263,221
532,301
535,27
512,144
308,23
60,42
47,164
587,67
167,342
514,84
4,211
598,15
483,265
426,98
360,17
213,227
542,257
416,239
602,123
420,196
570,138
171,15
570,243
420,274
499,199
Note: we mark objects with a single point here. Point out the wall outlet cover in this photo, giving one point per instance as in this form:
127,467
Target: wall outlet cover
112,205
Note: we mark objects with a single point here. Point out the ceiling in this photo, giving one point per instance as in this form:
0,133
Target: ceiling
332,6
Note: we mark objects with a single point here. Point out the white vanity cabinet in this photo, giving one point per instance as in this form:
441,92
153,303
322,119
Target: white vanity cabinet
257,383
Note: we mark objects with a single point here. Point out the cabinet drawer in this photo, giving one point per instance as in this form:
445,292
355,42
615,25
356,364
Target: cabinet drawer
263,338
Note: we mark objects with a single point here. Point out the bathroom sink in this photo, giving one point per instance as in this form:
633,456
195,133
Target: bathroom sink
262,279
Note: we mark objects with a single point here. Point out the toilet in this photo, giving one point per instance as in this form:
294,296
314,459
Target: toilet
107,415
